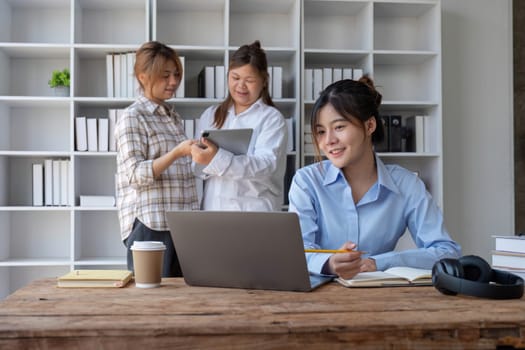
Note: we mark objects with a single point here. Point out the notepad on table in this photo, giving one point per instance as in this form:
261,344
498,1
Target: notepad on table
95,278
394,276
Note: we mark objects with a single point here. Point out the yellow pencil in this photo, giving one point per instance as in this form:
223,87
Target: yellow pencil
333,251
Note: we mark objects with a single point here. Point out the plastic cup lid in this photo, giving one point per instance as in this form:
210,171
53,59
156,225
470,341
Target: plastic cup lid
148,245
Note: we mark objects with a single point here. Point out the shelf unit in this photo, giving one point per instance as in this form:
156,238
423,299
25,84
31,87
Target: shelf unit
397,42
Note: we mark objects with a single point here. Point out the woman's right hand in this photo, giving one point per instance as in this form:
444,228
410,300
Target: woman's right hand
184,148
346,265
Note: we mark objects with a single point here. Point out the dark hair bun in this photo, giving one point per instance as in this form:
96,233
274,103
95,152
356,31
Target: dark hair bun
365,79
256,44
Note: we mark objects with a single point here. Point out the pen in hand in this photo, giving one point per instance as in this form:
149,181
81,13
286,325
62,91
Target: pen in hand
332,251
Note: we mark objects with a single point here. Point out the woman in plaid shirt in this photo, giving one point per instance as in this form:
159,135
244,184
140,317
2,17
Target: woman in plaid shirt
153,156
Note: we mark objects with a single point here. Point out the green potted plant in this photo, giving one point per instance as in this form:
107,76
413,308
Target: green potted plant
60,81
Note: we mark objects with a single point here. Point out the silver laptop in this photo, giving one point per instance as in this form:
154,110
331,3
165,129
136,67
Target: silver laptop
252,250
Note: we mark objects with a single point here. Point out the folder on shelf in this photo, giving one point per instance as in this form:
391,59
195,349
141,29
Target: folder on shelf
103,134
109,75
97,201
395,134
92,134
327,77
337,74
347,73
123,75
318,83
130,77
416,131
206,82
64,182
220,82
384,145
48,182
38,184
308,84
56,182
112,121
290,127
116,76
277,82
81,134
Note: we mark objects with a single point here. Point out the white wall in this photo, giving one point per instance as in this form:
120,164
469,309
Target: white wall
478,122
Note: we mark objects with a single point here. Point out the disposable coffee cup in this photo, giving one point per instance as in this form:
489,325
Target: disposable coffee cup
148,259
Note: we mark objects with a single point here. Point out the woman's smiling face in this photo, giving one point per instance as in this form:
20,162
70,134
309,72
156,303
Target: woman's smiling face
245,85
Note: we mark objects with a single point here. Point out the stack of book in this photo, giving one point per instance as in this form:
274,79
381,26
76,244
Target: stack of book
52,182
316,79
509,254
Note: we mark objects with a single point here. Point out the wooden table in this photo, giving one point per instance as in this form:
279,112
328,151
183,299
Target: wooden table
43,316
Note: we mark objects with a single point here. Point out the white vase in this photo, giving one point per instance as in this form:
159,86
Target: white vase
62,91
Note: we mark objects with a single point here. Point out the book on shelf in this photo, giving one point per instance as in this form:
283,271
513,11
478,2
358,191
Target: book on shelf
92,134
392,277
513,244
97,201
130,76
416,138
337,74
109,75
327,77
395,136
38,184
64,182
112,122
308,84
81,134
277,82
56,182
347,73
48,182
206,82
95,279
220,81
318,82
123,75
290,128
117,88
508,260
103,134
383,146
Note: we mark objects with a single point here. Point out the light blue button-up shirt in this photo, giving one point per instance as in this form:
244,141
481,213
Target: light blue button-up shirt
398,200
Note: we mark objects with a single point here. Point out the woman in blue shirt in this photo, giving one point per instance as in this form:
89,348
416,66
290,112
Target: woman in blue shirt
353,200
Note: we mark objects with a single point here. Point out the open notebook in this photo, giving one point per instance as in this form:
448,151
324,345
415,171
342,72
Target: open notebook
392,277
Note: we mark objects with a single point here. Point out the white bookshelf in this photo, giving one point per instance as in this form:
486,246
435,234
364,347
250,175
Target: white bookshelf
37,37
398,42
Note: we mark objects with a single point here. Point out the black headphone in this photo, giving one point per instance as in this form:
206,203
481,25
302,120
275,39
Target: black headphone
471,275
